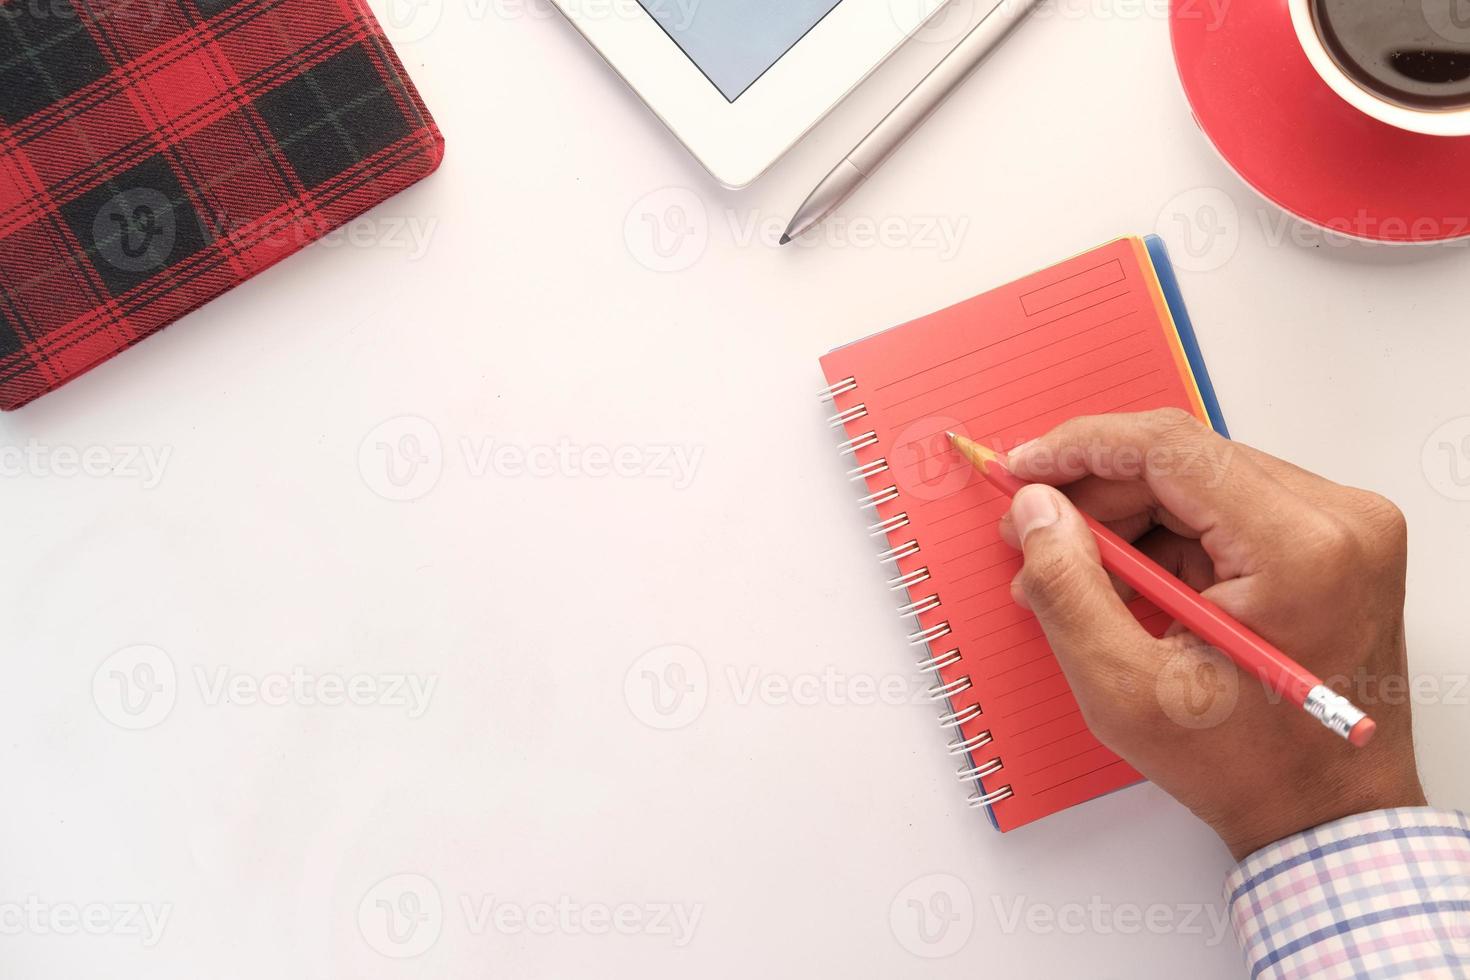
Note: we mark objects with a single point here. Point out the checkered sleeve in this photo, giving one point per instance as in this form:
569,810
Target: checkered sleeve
1383,894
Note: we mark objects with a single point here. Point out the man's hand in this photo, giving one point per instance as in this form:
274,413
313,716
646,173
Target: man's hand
1316,568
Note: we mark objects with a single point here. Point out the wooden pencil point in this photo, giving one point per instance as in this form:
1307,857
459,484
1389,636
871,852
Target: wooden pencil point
979,456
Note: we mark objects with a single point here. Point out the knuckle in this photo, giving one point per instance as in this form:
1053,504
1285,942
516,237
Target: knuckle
1173,421
1050,577
1183,445
1385,521
1110,724
1072,426
1175,428
1126,710
1332,542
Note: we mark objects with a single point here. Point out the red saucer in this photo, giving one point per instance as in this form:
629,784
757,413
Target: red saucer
1293,139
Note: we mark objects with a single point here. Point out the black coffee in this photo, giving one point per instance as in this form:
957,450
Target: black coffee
1413,52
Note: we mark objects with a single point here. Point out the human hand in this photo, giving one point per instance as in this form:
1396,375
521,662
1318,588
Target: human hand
1316,568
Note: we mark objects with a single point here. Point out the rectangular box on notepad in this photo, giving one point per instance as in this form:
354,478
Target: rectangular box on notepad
1103,332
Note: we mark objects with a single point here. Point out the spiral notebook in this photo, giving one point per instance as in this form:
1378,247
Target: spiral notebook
1103,332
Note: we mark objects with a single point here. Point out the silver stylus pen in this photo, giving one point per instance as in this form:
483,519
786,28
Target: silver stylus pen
909,115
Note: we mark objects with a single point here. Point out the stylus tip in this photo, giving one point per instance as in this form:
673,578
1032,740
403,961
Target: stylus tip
785,239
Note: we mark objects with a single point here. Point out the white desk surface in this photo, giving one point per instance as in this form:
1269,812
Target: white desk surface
546,828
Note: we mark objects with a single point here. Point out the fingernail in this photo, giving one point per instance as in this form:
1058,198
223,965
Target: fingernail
1034,508
1018,594
1016,458
1008,532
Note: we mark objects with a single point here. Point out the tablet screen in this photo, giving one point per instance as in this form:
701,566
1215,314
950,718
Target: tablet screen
734,42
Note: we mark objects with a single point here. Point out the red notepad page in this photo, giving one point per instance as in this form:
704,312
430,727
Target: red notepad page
1090,336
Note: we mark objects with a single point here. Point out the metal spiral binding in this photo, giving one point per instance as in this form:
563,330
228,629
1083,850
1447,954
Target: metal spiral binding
889,526
907,550
925,637
959,719
943,692
832,392
936,663
876,500
991,799
851,415
980,772
920,607
863,441
942,662
917,577
964,746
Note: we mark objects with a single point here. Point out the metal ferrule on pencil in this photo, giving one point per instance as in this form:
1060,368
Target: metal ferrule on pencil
1333,710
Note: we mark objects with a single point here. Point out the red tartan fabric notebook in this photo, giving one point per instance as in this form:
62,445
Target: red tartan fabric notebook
155,153
1093,335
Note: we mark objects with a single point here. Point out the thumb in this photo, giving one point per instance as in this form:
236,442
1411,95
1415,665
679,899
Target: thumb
1097,640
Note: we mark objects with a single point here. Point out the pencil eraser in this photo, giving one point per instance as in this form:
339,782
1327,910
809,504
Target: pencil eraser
1363,732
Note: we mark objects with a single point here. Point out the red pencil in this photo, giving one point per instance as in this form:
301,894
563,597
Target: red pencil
1199,615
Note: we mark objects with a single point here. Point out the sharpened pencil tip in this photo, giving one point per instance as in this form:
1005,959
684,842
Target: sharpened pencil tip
979,456
785,239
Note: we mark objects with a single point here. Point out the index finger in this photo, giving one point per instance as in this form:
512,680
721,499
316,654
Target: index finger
1187,469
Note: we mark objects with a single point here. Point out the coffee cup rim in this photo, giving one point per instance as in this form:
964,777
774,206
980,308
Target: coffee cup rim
1430,122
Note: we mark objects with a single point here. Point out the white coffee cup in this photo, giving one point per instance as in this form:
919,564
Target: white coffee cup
1431,122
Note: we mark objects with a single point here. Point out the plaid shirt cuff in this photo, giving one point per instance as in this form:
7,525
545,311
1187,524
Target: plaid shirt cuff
1383,894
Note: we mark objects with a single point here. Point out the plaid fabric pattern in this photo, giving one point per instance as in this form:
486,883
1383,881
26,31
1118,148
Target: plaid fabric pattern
1383,894
155,153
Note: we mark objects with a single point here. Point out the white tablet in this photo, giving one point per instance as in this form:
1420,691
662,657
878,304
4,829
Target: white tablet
740,81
